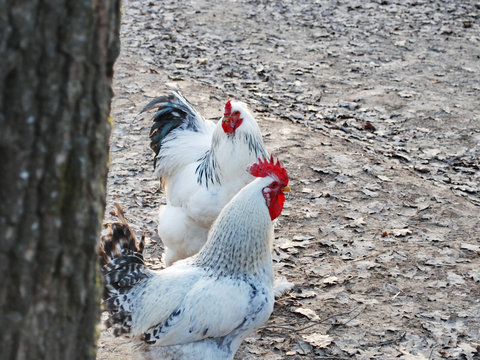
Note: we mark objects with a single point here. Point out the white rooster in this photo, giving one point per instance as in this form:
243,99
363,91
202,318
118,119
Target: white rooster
201,164
204,306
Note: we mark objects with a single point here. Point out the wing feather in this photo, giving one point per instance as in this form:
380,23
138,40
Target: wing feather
213,308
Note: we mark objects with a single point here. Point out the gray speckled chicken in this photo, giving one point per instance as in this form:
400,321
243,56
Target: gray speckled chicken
201,307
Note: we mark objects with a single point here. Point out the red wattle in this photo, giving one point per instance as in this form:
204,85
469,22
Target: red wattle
227,127
232,123
276,206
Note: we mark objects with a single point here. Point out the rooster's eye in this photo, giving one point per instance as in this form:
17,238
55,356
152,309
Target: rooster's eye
236,113
274,184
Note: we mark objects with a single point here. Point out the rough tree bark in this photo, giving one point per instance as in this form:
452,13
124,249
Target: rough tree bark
56,60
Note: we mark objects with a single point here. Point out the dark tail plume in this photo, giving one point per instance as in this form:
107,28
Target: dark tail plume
123,267
120,240
173,111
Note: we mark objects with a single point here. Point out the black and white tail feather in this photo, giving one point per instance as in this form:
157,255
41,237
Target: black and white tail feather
123,267
173,111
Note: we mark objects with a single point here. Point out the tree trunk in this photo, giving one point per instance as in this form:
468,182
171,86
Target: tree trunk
56,65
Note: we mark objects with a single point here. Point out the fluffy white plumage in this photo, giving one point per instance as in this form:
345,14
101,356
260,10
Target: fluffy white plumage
204,306
201,167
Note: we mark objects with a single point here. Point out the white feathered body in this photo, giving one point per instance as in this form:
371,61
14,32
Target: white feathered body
204,306
202,168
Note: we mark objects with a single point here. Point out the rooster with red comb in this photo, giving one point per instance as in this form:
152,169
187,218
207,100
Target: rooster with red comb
201,164
204,306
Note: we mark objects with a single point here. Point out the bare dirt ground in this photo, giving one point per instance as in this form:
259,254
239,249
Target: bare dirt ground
373,108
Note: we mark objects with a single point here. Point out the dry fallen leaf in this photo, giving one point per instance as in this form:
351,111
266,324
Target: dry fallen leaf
401,232
469,350
368,126
357,222
474,275
304,294
470,247
318,340
454,279
331,280
309,313
370,193
384,178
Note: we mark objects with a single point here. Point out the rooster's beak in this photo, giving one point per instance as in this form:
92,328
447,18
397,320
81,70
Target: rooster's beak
225,119
286,188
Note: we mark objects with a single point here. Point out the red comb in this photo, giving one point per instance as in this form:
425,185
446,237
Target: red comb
266,167
228,108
